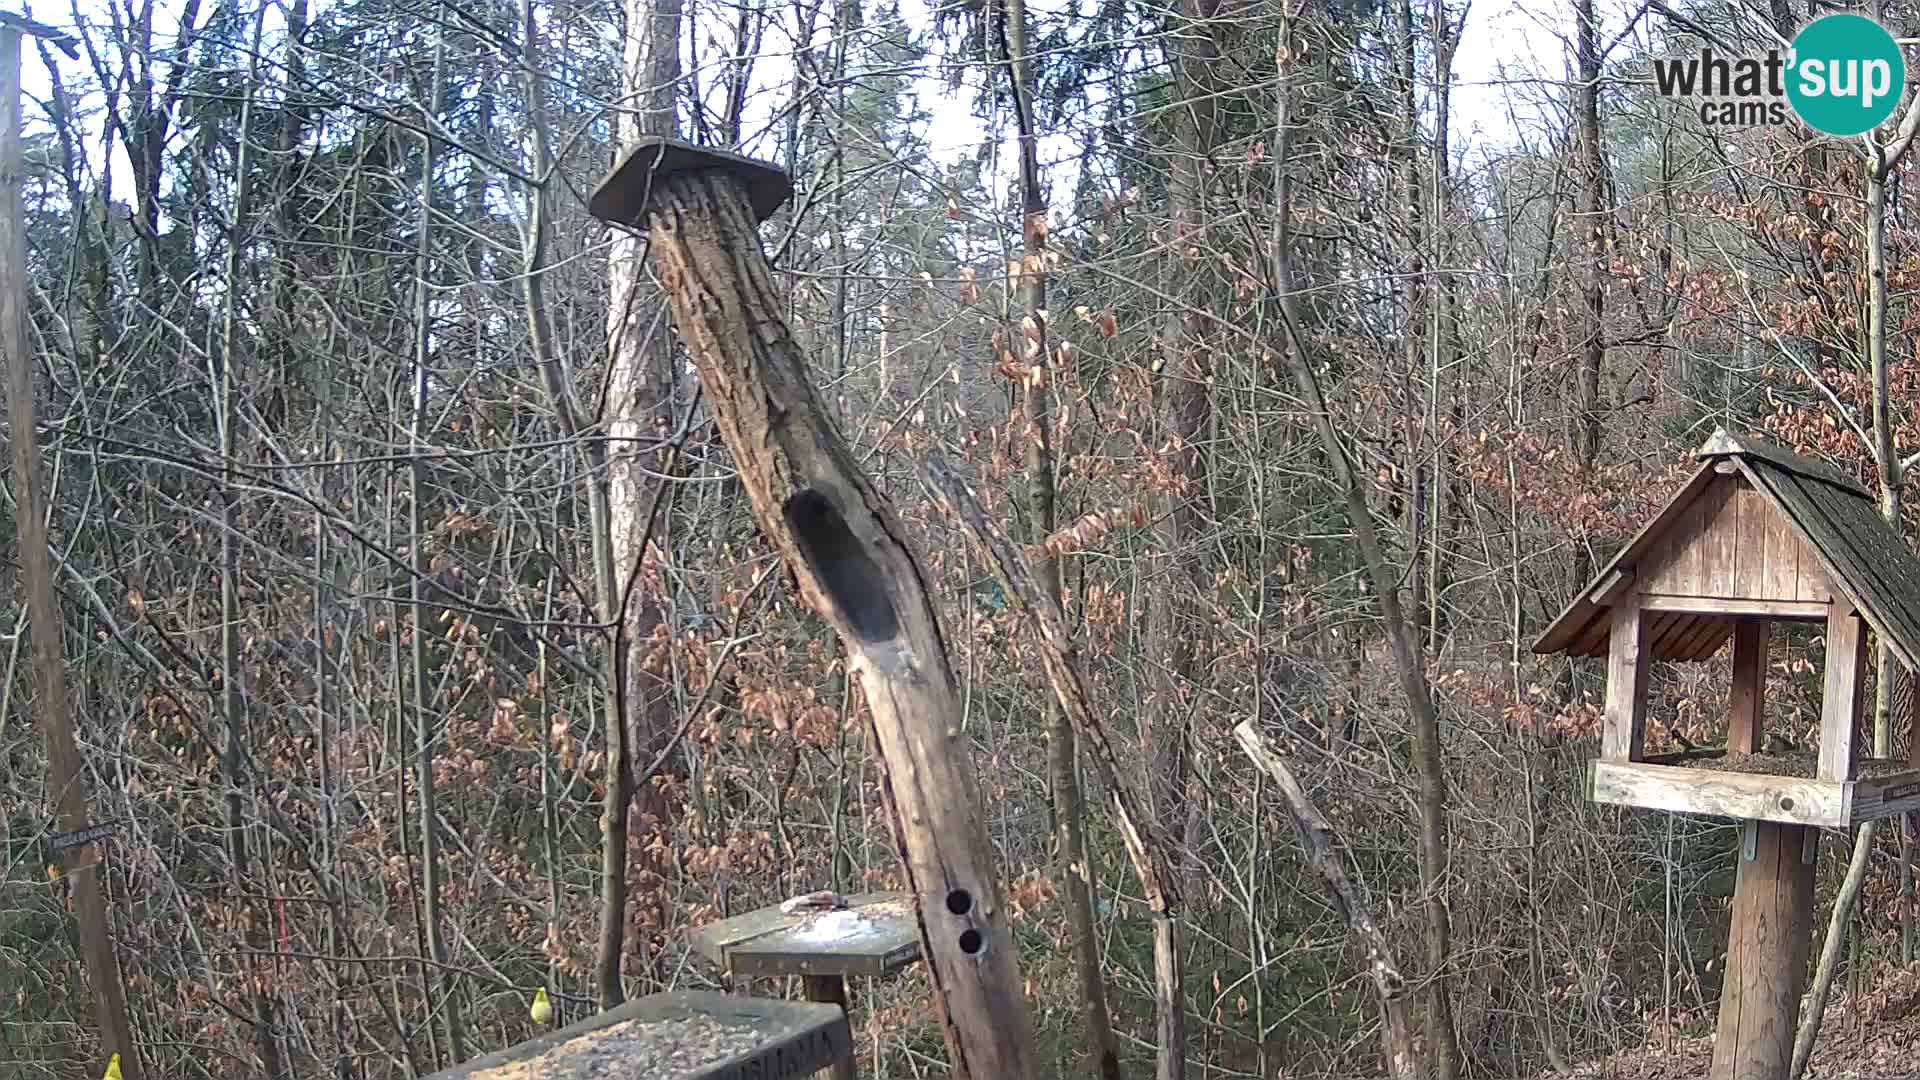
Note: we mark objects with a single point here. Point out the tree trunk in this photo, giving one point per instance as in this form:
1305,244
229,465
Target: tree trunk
640,412
1408,667
424,711
1317,838
846,548
1035,363
83,863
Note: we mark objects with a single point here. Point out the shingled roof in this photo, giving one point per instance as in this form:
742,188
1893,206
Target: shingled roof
1863,559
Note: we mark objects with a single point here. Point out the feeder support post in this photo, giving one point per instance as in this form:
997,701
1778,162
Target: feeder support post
848,551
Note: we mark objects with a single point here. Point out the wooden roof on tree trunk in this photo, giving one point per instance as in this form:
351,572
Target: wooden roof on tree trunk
1759,523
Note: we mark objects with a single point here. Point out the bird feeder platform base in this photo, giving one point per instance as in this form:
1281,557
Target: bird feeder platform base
678,1035
1884,789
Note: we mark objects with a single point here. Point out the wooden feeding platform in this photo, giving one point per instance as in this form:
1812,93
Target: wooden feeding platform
1757,535
873,934
1758,787
678,1035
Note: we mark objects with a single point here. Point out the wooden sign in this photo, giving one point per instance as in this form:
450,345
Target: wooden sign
62,841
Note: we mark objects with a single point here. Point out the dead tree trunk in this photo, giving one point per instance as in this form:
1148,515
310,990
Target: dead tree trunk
849,556
1316,837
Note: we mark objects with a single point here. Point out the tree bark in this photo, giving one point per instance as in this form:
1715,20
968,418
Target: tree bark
1035,366
640,412
83,863
424,714
1409,669
1317,838
848,553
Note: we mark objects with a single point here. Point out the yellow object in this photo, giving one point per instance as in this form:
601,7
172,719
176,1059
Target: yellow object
542,1013
113,1068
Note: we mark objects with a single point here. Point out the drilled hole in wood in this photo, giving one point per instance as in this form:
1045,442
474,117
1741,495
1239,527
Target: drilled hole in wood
1786,803
959,901
971,942
846,572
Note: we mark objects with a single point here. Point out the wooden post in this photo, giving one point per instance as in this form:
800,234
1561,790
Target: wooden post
848,553
1748,705
1624,735
831,990
1840,698
1767,947
36,571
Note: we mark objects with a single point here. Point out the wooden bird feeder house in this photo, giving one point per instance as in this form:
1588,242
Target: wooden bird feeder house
1757,535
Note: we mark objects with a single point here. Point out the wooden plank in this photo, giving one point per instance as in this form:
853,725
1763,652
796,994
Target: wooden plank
1750,512
741,1037
1718,631
1746,705
1780,566
1767,945
1677,564
1580,612
874,934
1613,587
1885,796
1720,540
1786,610
831,990
1663,632
1625,723
1840,697
1742,796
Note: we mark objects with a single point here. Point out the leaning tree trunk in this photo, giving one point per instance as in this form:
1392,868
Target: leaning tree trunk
849,556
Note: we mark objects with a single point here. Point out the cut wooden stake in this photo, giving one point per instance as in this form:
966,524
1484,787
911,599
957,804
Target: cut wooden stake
849,556
1316,836
36,572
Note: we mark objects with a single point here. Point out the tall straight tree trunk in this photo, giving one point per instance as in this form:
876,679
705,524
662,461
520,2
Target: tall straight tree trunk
1032,345
639,412
1414,434
1409,667
1590,203
448,1005
1185,404
233,707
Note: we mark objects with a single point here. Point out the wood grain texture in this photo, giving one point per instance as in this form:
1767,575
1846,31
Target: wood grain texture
1714,793
1624,732
1884,797
1767,945
1747,702
1840,696
851,559
1784,610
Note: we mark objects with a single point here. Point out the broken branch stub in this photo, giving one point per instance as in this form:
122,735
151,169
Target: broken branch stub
849,556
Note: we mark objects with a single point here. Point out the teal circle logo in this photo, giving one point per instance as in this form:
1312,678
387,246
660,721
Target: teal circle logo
1848,75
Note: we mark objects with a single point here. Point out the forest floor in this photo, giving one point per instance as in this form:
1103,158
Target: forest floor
1875,1036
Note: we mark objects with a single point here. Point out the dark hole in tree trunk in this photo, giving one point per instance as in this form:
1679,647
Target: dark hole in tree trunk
841,563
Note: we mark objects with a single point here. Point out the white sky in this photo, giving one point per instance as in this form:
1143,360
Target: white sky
1511,55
